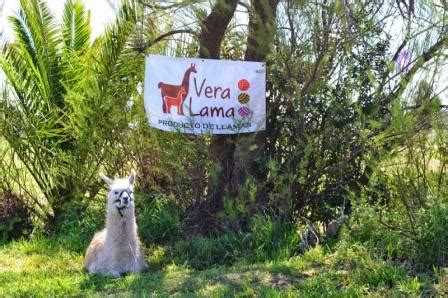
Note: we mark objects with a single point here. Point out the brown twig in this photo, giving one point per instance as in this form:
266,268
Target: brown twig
142,48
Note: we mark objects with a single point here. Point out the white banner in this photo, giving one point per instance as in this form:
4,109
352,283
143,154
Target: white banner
204,96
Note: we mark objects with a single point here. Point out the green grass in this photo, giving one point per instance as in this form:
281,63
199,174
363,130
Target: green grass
53,267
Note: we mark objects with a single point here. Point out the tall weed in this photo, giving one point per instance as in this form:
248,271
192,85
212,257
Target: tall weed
403,212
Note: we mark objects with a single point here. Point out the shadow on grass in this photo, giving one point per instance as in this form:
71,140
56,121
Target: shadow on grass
160,282
222,281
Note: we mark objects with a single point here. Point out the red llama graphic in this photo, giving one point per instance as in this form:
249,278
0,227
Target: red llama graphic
177,101
174,93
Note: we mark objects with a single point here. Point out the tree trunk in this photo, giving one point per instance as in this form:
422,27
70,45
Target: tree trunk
262,27
200,219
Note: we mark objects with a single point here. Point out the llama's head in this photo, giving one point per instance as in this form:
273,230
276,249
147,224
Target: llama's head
182,91
193,68
120,200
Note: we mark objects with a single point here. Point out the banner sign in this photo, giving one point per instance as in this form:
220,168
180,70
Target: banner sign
204,96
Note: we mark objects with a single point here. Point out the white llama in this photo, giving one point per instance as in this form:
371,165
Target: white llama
116,249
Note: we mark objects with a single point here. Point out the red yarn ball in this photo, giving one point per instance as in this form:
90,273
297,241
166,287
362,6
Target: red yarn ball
243,84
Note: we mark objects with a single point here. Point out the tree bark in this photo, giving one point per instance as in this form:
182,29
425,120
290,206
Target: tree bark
213,28
232,170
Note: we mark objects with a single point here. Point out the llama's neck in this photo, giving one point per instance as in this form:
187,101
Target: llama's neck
186,80
121,229
181,94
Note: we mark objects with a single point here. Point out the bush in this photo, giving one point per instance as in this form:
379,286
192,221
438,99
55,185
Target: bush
403,212
15,218
64,103
76,230
433,245
387,232
272,240
266,240
158,218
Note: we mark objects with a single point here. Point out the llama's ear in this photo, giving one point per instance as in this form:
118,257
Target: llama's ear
132,177
106,179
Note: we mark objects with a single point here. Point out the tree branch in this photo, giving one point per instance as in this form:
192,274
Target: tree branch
214,26
142,48
425,57
262,27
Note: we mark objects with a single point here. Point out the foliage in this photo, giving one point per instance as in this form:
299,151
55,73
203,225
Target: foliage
403,213
168,163
158,219
15,218
319,134
62,114
265,240
348,133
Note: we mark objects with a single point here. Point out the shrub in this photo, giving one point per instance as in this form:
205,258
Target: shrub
403,212
266,239
272,240
158,218
15,218
201,253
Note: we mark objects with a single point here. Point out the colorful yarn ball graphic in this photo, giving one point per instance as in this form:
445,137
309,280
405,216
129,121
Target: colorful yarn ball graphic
243,98
243,84
244,111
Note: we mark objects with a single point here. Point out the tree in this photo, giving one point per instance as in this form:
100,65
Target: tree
331,85
62,113
338,35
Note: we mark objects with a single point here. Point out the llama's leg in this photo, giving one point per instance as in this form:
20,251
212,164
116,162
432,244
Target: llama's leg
164,104
169,108
106,271
182,106
139,264
94,253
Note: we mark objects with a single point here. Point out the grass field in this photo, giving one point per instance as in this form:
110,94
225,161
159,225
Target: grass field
53,267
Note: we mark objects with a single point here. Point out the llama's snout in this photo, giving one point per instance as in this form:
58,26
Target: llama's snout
125,200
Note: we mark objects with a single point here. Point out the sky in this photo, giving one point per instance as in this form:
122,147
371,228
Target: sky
101,11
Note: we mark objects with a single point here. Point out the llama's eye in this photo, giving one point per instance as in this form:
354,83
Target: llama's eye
116,192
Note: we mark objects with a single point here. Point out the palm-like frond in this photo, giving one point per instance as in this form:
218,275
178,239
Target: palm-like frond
106,89
63,93
38,39
110,48
76,29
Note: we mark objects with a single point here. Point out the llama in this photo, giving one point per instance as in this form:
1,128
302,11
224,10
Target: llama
116,249
173,90
175,101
